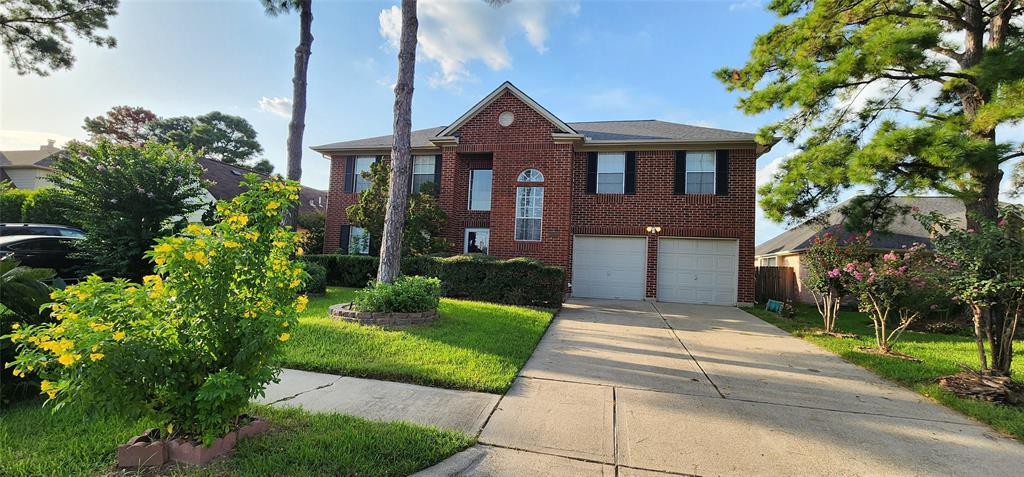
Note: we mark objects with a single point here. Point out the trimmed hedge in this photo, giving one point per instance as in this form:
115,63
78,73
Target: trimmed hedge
40,206
516,281
11,202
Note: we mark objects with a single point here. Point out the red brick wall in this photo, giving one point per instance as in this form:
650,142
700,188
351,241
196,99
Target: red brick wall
524,144
728,216
337,202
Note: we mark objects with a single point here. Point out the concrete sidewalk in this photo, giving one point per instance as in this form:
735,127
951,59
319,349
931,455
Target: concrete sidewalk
463,411
649,389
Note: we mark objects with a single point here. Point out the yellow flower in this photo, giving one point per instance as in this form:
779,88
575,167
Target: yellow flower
279,244
99,326
284,324
15,326
96,356
159,259
58,330
82,295
301,302
118,335
273,205
45,385
19,373
189,255
201,242
299,251
53,295
212,253
68,359
283,337
230,244
163,248
294,284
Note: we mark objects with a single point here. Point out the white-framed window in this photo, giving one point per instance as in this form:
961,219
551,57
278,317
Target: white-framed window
358,241
363,164
529,211
700,172
480,189
769,261
611,173
530,175
476,241
422,171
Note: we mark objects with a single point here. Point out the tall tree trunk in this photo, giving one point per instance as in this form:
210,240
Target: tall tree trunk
401,150
297,125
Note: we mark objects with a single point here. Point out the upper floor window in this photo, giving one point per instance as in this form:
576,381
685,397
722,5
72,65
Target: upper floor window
700,172
362,164
530,175
422,171
611,173
529,212
480,189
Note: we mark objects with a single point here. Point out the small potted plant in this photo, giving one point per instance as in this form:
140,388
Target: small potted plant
193,343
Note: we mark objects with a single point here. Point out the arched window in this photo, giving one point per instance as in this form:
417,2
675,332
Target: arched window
531,175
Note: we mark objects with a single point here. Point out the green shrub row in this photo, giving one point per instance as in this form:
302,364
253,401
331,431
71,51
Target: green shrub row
41,206
516,281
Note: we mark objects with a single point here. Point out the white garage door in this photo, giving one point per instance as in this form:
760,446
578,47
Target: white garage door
697,270
609,267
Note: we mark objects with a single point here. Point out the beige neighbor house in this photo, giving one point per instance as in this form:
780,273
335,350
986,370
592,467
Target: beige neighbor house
787,248
28,169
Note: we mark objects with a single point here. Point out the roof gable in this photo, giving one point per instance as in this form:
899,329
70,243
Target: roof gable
497,93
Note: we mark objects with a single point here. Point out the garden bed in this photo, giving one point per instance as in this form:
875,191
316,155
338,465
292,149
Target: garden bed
346,312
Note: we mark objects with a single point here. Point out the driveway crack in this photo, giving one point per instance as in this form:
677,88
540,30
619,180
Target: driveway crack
676,336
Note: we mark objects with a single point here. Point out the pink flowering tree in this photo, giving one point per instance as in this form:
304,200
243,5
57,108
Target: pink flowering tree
894,289
823,275
984,268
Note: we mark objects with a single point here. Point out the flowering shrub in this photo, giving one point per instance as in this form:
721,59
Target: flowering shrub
895,289
194,342
408,294
983,267
823,275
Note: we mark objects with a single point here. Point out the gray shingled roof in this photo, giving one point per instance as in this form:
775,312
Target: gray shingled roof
904,230
227,183
41,157
639,130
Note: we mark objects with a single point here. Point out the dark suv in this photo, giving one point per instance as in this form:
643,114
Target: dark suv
44,251
40,229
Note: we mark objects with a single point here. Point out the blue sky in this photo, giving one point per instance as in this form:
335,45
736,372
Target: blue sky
583,60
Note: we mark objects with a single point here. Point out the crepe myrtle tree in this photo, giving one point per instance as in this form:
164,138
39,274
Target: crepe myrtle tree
823,275
844,71
983,267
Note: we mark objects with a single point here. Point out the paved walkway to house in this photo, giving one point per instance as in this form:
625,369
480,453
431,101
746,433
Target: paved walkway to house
641,389
463,411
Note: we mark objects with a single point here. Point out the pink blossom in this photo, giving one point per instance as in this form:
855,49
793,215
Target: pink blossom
915,209
834,273
970,231
1002,222
889,257
850,267
858,275
868,234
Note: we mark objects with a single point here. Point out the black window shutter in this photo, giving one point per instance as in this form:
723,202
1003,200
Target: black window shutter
350,167
437,174
630,185
591,172
346,230
722,172
679,184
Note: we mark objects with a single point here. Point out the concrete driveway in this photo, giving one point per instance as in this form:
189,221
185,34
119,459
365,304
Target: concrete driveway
647,389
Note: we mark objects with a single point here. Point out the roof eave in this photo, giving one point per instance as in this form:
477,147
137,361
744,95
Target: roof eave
659,144
327,152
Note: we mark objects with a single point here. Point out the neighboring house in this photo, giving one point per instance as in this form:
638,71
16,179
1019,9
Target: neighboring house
28,169
227,183
631,209
785,249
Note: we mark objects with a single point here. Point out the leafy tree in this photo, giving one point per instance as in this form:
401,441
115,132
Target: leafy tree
297,124
37,34
844,70
122,124
824,276
313,223
125,197
425,217
220,136
983,267
24,293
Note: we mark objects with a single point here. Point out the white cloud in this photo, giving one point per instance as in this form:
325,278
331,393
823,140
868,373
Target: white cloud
26,140
745,5
279,106
456,33
766,173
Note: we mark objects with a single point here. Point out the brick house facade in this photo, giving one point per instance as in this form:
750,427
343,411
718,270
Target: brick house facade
508,133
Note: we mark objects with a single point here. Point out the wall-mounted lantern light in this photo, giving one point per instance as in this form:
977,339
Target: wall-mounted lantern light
653,229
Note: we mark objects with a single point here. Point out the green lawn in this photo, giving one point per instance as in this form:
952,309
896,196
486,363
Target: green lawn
72,442
474,345
939,355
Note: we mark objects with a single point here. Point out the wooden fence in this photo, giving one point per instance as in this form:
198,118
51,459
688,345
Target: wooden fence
774,283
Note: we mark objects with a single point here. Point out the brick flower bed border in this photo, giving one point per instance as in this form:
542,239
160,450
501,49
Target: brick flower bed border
145,450
344,311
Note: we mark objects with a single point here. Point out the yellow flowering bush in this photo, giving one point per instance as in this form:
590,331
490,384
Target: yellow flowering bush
196,340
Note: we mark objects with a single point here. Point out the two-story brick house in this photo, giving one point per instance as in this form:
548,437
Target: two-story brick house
631,209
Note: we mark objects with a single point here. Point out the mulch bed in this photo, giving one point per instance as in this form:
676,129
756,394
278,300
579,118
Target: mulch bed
975,385
892,354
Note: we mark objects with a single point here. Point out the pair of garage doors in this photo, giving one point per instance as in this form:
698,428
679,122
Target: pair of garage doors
689,270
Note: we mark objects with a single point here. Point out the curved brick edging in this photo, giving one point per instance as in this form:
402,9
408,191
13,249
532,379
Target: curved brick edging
344,311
